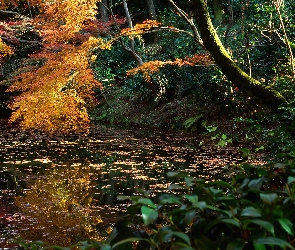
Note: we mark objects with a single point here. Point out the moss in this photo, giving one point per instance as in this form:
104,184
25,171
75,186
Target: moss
236,75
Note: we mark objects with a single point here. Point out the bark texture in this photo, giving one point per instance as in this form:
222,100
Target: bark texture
230,69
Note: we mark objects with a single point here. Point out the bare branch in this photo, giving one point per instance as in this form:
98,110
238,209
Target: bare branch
191,23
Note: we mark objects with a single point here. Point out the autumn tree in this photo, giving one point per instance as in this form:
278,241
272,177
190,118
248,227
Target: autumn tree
55,96
58,95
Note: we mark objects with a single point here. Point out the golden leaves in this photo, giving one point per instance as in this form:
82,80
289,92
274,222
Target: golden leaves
152,67
57,94
61,20
5,50
139,29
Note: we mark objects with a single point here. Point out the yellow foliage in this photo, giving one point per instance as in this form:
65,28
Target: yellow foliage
5,50
56,96
57,208
149,68
61,19
140,28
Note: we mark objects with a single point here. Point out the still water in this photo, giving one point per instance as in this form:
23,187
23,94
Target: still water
116,161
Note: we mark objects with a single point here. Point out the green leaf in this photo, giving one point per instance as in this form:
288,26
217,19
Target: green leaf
268,199
236,244
169,198
148,215
232,222
128,240
262,223
193,198
164,234
259,247
247,166
215,191
291,179
148,202
225,221
251,212
222,184
204,243
181,246
256,184
245,152
221,143
287,225
183,236
260,148
189,216
274,242
280,165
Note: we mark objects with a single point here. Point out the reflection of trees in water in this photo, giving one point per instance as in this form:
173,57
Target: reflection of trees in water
57,208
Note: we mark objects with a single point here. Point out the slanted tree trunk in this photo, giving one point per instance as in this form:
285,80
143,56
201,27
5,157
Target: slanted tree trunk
230,69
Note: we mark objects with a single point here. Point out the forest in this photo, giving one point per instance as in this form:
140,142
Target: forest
152,124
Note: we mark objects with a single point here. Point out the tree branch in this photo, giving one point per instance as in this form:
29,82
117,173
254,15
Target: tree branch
190,21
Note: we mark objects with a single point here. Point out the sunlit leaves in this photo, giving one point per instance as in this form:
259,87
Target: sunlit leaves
151,67
57,94
140,28
5,50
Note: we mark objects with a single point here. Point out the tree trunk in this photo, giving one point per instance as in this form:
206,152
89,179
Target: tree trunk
238,77
104,11
151,9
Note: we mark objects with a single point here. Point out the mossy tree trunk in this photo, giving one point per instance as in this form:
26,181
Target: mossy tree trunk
248,85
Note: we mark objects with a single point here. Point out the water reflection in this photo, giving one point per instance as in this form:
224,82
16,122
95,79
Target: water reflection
117,162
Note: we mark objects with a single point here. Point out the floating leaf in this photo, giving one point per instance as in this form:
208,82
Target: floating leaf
122,197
